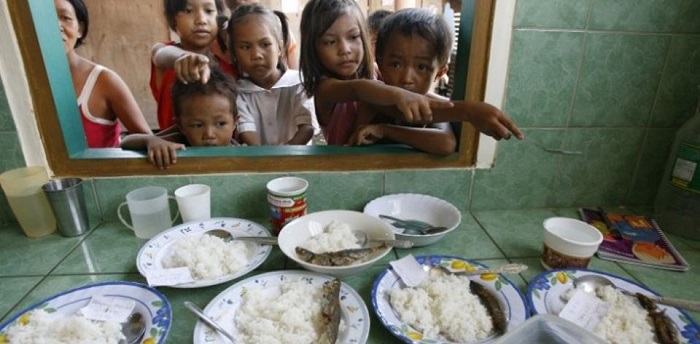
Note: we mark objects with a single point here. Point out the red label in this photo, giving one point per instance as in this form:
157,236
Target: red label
283,210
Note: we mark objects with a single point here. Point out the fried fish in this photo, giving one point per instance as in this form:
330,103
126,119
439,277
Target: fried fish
330,311
663,326
337,258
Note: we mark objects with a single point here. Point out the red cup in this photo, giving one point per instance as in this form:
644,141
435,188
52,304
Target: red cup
287,199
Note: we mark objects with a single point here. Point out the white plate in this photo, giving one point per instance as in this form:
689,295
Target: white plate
544,290
148,301
152,253
224,306
507,293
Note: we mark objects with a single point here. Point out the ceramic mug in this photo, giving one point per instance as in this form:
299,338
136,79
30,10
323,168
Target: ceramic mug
150,211
194,202
287,199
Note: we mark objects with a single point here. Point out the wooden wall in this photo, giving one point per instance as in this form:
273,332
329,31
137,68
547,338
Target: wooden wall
122,32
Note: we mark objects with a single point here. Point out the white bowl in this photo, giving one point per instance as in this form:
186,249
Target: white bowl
300,230
429,209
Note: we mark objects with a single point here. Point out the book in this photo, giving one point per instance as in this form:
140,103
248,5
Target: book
634,239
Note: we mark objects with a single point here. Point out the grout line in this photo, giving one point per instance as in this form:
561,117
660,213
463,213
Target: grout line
483,228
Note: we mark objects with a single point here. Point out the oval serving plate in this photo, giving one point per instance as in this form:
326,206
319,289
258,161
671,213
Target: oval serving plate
152,253
544,291
507,293
223,307
148,301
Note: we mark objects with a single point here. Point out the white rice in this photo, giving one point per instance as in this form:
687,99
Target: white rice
294,317
625,321
336,237
207,256
443,308
40,327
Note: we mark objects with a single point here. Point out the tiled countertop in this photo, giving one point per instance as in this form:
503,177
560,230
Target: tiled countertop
33,269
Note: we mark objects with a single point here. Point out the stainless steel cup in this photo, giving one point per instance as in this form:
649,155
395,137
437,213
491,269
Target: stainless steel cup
68,203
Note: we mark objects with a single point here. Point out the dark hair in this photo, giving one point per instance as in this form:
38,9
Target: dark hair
172,7
374,20
422,22
317,17
81,14
277,23
219,83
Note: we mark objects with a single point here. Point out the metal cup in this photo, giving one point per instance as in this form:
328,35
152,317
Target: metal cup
68,203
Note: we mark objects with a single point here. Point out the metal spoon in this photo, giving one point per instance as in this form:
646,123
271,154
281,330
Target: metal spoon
364,241
414,225
514,268
589,283
209,321
133,328
360,235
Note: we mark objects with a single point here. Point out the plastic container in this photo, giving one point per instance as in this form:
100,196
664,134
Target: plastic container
677,205
548,329
22,187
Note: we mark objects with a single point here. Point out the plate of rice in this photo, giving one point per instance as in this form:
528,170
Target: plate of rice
209,259
440,309
281,307
58,319
546,294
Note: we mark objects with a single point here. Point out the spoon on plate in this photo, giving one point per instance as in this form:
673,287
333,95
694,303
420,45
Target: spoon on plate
414,225
361,236
209,321
514,268
133,328
589,283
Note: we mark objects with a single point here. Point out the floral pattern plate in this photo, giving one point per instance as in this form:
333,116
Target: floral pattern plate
148,301
224,306
507,293
151,255
544,290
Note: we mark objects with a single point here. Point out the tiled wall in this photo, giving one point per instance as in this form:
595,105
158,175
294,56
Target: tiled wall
613,79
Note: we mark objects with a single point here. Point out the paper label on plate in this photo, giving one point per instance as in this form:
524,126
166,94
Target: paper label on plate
584,310
410,271
168,277
103,308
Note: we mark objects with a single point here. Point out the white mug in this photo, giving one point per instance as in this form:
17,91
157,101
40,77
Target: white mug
194,202
150,211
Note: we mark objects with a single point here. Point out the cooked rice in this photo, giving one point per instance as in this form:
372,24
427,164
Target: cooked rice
625,321
41,327
444,308
207,256
336,237
294,317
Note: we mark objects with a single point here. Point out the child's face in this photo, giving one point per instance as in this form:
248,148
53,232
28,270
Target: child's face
340,47
196,24
257,50
71,29
409,62
207,120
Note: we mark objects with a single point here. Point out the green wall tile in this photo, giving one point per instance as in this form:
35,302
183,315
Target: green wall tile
24,256
523,174
12,290
239,195
342,190
688,20
601,176
565,14
526,225
619,77
679,92
638,15
451,185
6,121
542,75
111,192
11,152
652,162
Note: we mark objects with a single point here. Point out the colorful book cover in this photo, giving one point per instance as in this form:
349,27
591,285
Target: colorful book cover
635,239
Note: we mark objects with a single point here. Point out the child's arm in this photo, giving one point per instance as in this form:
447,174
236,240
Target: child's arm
161,152
413,107
438,139
121,102
188,66
250,138
302,136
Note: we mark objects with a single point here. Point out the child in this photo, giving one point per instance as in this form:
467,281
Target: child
413,49
205,115
195,21
337,66
273,108
374,22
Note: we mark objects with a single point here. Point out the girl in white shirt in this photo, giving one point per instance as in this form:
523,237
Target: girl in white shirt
272,104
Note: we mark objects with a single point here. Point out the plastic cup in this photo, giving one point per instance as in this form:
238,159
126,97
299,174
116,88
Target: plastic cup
194,202
68,203
150,211
22,187
287,199
568,243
